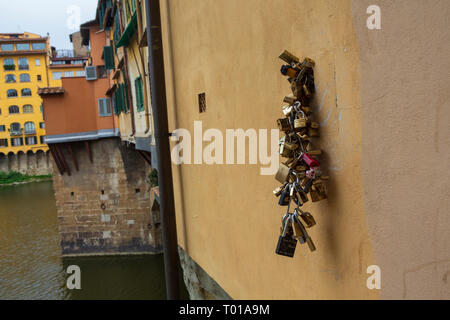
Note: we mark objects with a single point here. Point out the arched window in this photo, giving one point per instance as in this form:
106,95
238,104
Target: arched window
12,93
10,78
23,64
25,77
30,128
26,92
8,64
14,110
28,108
15,127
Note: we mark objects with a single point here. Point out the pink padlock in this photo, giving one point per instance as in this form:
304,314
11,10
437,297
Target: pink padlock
310,161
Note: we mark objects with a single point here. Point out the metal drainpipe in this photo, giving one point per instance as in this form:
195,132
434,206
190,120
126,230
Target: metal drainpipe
161,127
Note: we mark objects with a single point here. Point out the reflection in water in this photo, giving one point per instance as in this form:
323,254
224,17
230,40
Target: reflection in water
30,257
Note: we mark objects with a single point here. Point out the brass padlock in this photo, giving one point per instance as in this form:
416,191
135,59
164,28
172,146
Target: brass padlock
298,233
303,197
283,173
289,57
306,110
313,132
291,146
317,196
277,191
309,219
300,123
315,125
306,91
309,63
315,152
290,99
284,124
311,245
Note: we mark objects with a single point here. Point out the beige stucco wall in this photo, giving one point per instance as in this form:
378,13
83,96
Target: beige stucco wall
228,220
405,101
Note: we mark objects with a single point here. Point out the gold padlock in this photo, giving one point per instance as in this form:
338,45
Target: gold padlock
302,122
309,63
308,219
306,91
315,152
291,146
315,125
313,132
283,173
290,99
306,110
284,124
289,57
277,191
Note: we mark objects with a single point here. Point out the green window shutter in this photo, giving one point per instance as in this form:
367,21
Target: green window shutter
108,54
139,94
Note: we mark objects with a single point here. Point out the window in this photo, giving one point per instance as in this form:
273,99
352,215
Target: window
30,128
27,108
10,78
80,74
139,94
41,139
23,64
104,107
14,110
2,128
57,75
7,47
23,46
15,128
39,77
8,64
42,125
68,74
38,62
12,93
30,141
25,77
3,143
17,142
202,102
26,92
102,73
38,46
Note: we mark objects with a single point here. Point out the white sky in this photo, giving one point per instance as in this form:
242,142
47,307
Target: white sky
42,16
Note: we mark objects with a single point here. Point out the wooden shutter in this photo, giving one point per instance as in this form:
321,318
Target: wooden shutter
108,54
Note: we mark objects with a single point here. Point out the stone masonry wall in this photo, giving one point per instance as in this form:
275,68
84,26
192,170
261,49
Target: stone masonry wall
105,207
27,163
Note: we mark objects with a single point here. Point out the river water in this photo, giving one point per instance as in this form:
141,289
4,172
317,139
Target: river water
31,266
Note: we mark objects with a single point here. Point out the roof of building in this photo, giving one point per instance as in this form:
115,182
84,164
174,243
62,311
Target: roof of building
50,91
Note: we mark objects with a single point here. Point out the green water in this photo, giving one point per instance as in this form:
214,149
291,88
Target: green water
31,266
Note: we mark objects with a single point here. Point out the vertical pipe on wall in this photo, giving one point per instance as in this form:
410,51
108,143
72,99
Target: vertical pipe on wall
161,128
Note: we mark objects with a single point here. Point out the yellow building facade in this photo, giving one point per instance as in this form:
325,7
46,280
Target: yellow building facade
24,58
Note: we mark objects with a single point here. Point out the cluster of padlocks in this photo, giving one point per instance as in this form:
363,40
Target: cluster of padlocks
300,174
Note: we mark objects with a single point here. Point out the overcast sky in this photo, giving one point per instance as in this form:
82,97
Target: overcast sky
46,16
